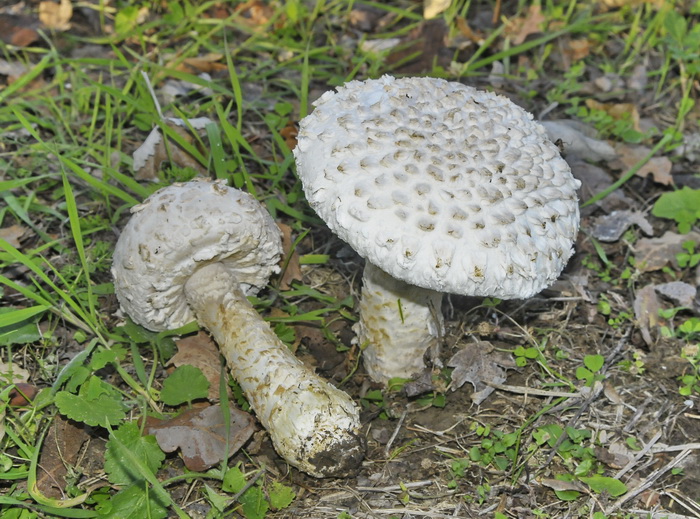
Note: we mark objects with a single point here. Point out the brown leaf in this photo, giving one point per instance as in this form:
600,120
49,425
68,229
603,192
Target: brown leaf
520,28
617,111
154,151
289,134
208,63
290,258
62,447
656,253
658,167
12,234
479,364
426,42
646,311
201,352
255,13
18,30
200,434
578,49
22,394
432,8
56,15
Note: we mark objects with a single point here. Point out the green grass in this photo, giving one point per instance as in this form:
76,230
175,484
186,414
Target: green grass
69,126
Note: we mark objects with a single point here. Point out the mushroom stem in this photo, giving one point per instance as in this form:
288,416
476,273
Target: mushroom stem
399,323
313,425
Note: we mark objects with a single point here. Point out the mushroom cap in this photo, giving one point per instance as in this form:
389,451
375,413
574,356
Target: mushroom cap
440,185
180,229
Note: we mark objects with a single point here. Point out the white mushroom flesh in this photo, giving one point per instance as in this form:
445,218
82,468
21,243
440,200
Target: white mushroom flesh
196,250
440,186
396,317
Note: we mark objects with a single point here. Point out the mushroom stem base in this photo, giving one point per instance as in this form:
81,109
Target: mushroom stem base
312,424
399,323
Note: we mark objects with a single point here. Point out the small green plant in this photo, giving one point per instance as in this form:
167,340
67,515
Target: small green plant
589,371
690,258
690,382
682,205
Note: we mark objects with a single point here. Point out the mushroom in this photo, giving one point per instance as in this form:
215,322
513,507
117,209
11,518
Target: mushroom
196,250
442,189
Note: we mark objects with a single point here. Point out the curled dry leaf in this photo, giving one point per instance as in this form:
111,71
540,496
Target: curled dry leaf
646,312
479,364
200,434
153,152
290,259
201,352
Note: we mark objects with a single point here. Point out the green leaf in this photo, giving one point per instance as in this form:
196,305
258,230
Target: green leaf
594,362
18,326
254,504
234,480
120,471
185,384
281,496
682,205
134,501
97,411
601,484
103,356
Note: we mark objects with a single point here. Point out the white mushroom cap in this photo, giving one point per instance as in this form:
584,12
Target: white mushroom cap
440,185
170,236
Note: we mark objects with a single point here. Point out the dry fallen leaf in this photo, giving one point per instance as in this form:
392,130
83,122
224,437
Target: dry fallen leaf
18,30
520,28
61,449
432,8
617,111
656,253
290,257
573,136
679,292
200,434
658,167
56,15
201,352
153,152
12,234
646,312
479,364
610,227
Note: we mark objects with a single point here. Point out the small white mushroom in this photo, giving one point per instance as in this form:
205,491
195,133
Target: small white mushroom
196,250
441,188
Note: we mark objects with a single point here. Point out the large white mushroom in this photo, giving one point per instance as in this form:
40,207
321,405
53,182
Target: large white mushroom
195,251
441,188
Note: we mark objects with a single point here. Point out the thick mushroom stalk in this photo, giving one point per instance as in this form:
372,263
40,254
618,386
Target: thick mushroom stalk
196,250
398,324
313,425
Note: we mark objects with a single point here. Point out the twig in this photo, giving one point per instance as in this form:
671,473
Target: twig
397,488
638,456
523,390
674,448
387,449
648,481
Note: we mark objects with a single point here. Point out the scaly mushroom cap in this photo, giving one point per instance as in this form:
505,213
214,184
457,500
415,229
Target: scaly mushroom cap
440,185
169,236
